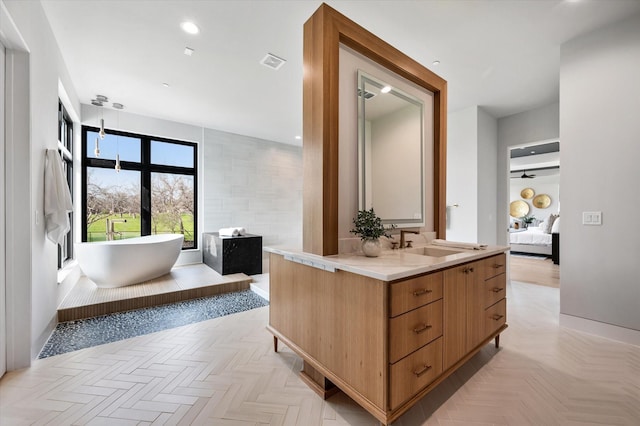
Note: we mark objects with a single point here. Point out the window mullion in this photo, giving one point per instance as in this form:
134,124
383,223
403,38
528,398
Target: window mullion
145,198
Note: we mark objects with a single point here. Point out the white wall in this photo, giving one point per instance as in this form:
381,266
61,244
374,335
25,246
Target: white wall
471,176
253,183
462,175
487,176
536,125
599,130
32,275
397,158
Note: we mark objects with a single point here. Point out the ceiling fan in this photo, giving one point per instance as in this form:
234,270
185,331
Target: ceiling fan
524,176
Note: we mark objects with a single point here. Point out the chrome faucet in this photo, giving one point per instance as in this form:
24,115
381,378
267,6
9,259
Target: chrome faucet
402,232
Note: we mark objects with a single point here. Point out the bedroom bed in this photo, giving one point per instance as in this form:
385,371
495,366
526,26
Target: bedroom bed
533,240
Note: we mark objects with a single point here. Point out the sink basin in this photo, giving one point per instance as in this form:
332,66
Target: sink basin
433,251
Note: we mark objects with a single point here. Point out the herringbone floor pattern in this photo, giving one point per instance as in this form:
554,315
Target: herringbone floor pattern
224,372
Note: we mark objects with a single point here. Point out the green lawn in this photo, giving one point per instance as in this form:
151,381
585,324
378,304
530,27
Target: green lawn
131,228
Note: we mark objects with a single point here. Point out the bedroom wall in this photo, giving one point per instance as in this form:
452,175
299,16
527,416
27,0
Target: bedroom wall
599,104
536,125
549,185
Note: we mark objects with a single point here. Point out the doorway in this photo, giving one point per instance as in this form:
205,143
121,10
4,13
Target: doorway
534,209
3,309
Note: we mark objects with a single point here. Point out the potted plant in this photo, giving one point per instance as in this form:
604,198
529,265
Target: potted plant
528,220
369,227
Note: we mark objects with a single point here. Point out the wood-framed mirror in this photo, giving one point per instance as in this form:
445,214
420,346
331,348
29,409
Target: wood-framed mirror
324,34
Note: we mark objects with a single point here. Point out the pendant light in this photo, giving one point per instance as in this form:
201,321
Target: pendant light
102,133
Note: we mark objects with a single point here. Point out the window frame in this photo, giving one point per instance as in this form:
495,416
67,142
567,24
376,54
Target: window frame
65,149
146,169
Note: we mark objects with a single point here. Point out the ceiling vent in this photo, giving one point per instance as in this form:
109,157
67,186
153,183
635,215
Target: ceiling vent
367,95
272,61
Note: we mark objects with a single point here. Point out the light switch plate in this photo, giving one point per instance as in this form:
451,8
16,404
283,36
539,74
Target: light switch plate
592,218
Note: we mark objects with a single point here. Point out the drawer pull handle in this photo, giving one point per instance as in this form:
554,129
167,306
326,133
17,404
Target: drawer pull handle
497,265
422,291
467,270
423,370
497,289
421,329
497,317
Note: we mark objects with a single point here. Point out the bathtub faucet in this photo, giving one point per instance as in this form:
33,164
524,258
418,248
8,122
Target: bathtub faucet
110,228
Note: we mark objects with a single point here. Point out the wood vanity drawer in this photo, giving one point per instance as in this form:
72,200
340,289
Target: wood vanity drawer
495,289
414,329
414,372
495,265
495,317
412,293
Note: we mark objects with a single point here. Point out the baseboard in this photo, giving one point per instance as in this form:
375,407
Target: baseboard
608,331
260,292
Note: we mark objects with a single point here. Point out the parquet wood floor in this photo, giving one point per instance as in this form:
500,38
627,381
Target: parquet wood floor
224,372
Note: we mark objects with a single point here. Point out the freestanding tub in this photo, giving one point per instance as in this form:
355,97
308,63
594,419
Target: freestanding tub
124,262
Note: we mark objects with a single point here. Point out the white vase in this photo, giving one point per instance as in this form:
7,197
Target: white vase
371,248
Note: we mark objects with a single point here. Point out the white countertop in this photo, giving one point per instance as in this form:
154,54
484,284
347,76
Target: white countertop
390,265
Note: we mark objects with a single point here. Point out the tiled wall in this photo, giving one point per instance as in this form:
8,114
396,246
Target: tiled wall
253,183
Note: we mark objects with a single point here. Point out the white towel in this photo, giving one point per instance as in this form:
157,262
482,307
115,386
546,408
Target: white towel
228,232
57,198
233,231
453,244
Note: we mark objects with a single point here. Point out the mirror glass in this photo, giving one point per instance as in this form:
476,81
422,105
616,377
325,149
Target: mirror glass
390,152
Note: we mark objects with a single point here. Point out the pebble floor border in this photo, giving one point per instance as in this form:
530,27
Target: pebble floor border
74,335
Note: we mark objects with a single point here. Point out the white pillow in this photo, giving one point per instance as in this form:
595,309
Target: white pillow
555,229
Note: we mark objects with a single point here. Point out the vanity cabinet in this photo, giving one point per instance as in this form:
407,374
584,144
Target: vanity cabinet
384,343
472,308
415,335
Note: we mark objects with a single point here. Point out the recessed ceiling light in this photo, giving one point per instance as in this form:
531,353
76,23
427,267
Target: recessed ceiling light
188,51
436,63
165,84
298,137
385,89
118,105
189,27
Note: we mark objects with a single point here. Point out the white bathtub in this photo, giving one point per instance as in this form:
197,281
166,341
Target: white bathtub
124,262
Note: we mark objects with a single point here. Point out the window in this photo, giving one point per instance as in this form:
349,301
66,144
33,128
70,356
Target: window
65,148
153,193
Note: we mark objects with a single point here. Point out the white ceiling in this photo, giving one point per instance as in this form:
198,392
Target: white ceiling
502,55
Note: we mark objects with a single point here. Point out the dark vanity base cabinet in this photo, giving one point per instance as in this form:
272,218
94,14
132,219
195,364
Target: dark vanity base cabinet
232,255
